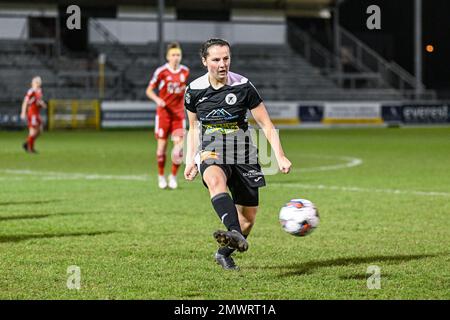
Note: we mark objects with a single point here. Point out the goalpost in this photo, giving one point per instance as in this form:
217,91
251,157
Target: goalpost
73,114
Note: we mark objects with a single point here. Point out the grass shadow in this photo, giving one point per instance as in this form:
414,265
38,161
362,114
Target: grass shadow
29,202
24,237
309,267
40,216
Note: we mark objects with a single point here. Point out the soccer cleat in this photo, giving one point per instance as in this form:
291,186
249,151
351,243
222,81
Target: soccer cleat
226,262
232,239
172,182
25,147
162,183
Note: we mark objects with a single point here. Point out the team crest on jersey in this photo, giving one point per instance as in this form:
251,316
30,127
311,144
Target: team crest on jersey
230,99
187,98
182,77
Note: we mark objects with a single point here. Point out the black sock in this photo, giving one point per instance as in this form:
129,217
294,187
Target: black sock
227,251
226,210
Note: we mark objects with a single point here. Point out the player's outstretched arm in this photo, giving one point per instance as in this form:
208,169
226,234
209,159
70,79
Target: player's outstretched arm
190,172
261,116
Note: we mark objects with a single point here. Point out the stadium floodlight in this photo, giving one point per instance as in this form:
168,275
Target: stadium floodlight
325,13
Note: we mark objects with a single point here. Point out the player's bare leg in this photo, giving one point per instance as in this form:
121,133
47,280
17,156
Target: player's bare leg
247,217
177,159
216,180
161,159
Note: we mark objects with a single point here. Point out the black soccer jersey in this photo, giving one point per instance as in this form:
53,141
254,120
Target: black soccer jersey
222,113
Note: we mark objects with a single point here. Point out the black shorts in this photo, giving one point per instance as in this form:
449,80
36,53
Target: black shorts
243,180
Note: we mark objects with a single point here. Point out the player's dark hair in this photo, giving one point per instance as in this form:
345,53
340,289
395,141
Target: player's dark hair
212,42
173,45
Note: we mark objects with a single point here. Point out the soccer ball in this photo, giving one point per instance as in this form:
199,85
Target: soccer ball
299,217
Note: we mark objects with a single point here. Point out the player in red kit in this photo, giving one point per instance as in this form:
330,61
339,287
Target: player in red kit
170,80
31,106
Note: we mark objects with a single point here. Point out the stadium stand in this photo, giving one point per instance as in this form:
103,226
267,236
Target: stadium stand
128,69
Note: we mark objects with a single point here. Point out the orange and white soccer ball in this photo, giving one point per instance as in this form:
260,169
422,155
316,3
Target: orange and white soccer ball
299,217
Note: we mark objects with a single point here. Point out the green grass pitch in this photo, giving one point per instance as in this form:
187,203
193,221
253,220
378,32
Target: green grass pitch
90,199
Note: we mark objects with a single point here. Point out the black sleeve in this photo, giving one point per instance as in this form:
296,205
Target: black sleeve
253,97
189,102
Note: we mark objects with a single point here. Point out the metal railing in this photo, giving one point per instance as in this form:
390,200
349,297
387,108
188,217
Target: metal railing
128,56
367,60
312,51
111,38
369,66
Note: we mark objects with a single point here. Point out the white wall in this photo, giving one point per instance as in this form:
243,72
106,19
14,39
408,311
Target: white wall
146,31
13,28
136,29
13,18
29,9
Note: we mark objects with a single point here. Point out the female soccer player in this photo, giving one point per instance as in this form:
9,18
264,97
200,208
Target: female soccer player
31,105
170,79
217,105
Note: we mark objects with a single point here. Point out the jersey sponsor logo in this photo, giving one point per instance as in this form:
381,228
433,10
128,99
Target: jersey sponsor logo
223,128
32,100
219,114
175,88
230,99
252,174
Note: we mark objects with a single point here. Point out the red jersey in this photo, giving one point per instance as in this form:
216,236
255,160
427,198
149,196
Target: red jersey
34,96
171,85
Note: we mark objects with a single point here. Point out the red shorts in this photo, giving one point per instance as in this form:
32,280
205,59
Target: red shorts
34,120
168,123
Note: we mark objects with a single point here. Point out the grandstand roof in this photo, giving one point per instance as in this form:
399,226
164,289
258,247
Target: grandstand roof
250,4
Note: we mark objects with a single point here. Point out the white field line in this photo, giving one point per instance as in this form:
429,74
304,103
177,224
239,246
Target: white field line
349,163
12,178
50,175
358,189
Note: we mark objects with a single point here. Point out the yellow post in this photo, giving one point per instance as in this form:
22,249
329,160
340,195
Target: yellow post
97,114
51,106
74,113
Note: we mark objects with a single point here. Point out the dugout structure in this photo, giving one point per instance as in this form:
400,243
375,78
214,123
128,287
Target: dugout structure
73,114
